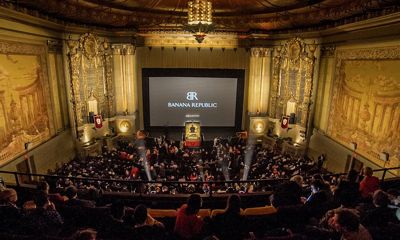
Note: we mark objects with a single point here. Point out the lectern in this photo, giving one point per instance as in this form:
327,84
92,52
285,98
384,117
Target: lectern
192,134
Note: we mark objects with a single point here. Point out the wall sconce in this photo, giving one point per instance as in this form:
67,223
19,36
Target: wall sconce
353,146
384,156
27,145
124,126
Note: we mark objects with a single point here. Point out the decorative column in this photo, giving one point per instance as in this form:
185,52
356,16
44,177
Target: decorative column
126,97
125,78
259,81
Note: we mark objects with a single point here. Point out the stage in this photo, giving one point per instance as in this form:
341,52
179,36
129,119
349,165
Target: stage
176,133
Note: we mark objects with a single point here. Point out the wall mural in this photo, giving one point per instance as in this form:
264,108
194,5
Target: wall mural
24,110
366,102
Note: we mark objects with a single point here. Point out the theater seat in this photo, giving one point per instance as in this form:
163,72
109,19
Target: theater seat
216,212
161,213
204,213
257,211
166,216
260,219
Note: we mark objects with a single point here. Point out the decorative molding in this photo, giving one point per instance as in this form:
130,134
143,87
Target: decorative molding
89,45
123,49
182,39
306,15
54,45
261,52
369,53
328,51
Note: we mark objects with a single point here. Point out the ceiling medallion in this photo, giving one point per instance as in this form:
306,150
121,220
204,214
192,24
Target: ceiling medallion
199,19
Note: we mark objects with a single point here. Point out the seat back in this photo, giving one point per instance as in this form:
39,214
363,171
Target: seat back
257,211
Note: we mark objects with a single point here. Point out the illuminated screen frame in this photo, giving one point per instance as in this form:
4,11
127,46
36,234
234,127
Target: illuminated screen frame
239,74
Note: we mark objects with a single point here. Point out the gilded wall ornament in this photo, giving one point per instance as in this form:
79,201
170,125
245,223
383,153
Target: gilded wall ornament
293,67
89,45
90,71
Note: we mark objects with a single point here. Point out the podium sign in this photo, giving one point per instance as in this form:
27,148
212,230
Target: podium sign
192,134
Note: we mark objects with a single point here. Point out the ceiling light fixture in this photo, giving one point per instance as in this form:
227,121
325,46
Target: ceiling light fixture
199,19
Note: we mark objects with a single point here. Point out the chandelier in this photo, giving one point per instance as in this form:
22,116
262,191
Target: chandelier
199,18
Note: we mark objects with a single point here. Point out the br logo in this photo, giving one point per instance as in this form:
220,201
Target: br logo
191,96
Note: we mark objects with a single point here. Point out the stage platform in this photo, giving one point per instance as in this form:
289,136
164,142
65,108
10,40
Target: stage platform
208,133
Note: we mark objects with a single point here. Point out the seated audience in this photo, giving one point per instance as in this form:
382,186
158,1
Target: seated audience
10,214
230,224
44,219
142,218
8,197
53,198
348,186
380,214
317,203
114,225
345,201
73,200
369,184
287,194
347,223
318,195
394,197
188,224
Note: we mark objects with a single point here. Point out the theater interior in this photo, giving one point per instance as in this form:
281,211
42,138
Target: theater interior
311,83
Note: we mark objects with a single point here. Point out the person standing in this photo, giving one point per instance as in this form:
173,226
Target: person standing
369,184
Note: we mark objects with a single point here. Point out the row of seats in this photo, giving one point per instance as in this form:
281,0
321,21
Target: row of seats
256,211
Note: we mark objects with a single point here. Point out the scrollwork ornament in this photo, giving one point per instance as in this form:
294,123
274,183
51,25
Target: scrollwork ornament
89,45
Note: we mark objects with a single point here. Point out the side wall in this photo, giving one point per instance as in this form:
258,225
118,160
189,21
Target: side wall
57,146
333,138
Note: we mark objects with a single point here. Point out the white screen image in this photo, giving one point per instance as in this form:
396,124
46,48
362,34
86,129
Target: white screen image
174,100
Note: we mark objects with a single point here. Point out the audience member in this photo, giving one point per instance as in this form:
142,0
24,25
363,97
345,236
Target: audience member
369,184
394,197
8,197
73,200
287,194
146,227
10,214
53,198
44,219
230,224
142,218
380,214
188,224
114,225
86,234
347,223
348,186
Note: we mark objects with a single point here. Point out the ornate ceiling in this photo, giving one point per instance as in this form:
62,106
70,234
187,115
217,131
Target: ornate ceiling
241,16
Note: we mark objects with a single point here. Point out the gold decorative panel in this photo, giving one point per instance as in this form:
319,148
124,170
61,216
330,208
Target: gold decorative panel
366,102
92,88
291,88
25,111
